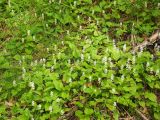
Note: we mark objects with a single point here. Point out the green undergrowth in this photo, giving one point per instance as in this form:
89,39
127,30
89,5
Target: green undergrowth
73,60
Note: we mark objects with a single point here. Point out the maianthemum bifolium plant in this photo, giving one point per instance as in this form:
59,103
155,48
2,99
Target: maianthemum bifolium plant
58,60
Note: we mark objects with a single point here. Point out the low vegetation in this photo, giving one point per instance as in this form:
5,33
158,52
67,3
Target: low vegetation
66,59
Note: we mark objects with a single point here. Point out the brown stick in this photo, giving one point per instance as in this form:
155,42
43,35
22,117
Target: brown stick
150,41
144,117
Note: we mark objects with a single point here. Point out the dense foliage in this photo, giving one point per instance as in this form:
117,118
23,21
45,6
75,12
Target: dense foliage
72,60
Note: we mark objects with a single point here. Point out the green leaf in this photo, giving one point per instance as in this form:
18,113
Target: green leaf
2,109
88,111
79,113
151,96
58,85
116,115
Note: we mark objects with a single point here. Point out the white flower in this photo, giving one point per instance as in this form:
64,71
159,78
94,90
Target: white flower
12,11
121,23
50,108
46,25
97,22
141,49
84,87
44,60
34,38
95,63
78,17
82,57
31,84
124,47
58,100
75,3
28,32
59,54
20,62
113,90
157,72
89,57
139,54
83,73
95,90
109,59
70,80
103,12
55,47
44,65
134,70
33,103
14,83
85,37
60,1
83,50
115,3
68,32
99,80
35,62
62,112
105,71
32,63
55,21
23,70
145,4
127,66
55,61
92,12
47,49
5,51
122,77
152,57
41,60
106,51
114,46
134,59
115,104
62,42
80,27
39,106
89,19
9,3
112,77
111,64
22,40
23,58
77,61
51,93
148,64
23,75
69,61
158,4
90,78
104,59
122,66
128,60
71,69
90,41
43,16
35,14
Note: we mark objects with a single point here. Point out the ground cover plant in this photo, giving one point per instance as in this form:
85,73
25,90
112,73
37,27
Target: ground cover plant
66,59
